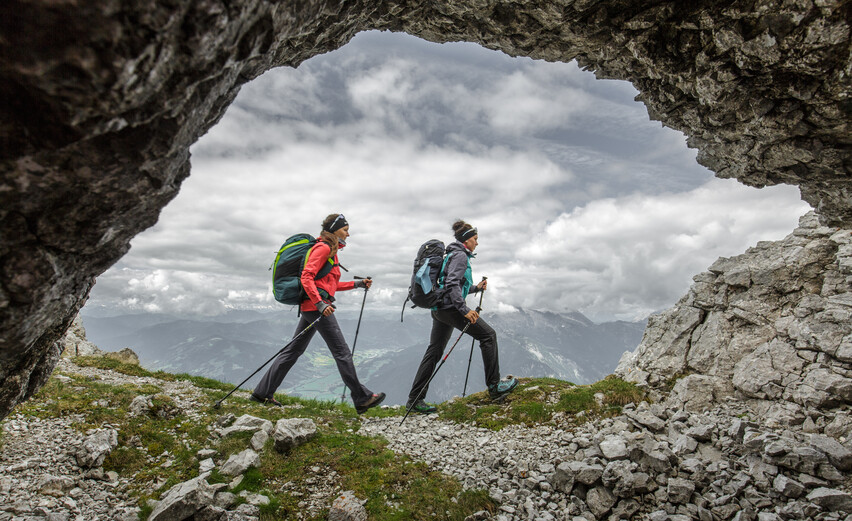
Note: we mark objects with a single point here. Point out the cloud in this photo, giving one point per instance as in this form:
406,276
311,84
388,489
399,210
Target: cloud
581,201
625,258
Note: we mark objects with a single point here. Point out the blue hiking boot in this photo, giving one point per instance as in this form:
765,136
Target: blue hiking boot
502,388
422,407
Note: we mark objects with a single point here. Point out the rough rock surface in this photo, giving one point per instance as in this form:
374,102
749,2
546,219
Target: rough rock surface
772,326
291,432
74,342
347,507
721,464
726,463
42,474
102,102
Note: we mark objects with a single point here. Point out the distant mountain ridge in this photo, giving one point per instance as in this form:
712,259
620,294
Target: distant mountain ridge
387,353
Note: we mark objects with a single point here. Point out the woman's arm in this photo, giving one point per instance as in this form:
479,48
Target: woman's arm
454,279
317,257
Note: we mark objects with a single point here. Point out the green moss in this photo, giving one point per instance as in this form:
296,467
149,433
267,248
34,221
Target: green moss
536,401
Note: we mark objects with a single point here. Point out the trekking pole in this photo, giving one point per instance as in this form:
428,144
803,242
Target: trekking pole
463,331
358,328
302,332
472,340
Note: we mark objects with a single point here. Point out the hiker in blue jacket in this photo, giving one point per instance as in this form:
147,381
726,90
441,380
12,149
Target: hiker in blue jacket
453,312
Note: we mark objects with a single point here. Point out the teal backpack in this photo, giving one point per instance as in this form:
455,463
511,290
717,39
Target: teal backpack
288,265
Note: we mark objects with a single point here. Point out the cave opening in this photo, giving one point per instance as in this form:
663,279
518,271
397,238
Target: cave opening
583,202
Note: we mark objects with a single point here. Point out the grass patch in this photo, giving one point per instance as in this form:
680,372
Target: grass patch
544,400
135,370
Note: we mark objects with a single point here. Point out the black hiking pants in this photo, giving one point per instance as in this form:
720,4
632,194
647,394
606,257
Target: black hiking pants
329,330
444,321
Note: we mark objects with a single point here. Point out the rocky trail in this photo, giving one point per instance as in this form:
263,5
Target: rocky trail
651,462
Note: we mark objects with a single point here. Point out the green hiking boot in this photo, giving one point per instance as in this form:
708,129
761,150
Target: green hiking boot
422,407
502,388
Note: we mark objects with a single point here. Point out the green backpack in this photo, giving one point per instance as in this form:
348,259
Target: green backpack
288,265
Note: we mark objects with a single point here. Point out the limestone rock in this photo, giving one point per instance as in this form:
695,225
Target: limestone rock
74,343
292,432
96,447
247,423
347,507
141,405
773,324
183,500
832,500
239,463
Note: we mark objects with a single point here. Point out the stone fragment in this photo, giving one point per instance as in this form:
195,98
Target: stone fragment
701,432
680,490
209,513
96,447
614,448
239,463
789,487
838,455
206,465
258,440
183,500
832,500
646,419
141,405
600,500
347,507
292,432
55,485
247,423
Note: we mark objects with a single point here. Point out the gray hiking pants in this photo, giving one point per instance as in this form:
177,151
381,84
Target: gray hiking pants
443,323
329,330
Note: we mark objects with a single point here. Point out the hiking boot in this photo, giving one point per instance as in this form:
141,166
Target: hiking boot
265,401
374,400
422,407
502,388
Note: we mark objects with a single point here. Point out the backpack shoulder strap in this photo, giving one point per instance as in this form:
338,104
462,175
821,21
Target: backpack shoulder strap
443,272
326,268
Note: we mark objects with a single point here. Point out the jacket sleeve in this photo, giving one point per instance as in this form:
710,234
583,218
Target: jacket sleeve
317,257
453,280
346,286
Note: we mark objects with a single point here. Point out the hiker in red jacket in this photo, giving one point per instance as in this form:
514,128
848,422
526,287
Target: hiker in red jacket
319,299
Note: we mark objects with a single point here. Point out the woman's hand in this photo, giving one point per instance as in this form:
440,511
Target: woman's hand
483,285
325,309
364,283
472,316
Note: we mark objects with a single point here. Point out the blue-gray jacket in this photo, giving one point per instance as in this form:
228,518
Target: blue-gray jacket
457,277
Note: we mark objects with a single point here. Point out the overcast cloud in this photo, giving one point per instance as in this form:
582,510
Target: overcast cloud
582,202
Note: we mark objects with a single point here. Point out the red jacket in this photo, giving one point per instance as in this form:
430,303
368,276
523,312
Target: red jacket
317,257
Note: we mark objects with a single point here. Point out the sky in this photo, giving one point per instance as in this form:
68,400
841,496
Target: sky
582,203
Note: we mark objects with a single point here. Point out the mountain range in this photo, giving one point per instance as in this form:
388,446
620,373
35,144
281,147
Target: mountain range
387,353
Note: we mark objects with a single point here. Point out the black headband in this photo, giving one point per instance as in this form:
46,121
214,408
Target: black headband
467,234
338,223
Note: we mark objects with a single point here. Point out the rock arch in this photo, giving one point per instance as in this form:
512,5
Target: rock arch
101,101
